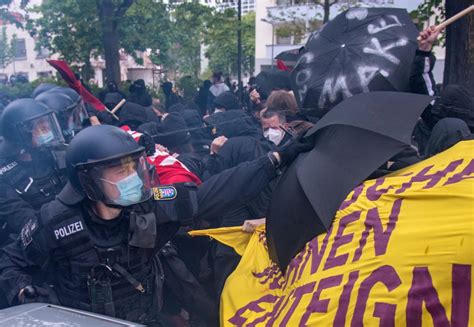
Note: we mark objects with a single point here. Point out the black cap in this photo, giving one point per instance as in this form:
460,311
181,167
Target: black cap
227,100
172,131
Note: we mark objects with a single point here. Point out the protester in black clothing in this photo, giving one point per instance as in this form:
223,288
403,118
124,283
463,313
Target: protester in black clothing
202,96
200,135
134,115
111,88
243,141
455,101
446,133
139,94
171,98
177,107
226,101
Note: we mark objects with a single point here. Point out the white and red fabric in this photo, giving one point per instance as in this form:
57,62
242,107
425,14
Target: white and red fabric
169,169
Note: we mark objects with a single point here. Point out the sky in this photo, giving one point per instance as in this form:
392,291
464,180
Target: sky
408,4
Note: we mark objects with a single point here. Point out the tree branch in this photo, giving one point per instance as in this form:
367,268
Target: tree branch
122,9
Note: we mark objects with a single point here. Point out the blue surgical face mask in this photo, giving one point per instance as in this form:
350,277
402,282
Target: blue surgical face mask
45,138
130,189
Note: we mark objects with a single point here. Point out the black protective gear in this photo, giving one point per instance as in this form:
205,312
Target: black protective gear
298,145
32,294
43,87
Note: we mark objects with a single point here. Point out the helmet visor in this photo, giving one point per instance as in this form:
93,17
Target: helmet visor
72,120
43,130
124,181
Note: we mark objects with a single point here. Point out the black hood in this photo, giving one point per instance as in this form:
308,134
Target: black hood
233,123
446,133
133,114
456,101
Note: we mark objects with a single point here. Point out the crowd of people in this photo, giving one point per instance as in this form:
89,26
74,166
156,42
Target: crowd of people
95,206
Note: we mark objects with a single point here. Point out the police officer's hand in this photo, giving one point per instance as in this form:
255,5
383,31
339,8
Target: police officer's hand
31,294
291,151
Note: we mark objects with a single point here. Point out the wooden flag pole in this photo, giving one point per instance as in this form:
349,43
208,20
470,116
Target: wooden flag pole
451,20
118,106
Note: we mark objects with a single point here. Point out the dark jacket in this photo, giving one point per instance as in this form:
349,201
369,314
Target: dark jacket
245,143
421,76
24,188
446,133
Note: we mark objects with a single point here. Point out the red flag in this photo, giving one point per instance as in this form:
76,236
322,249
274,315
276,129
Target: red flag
68,75
281,65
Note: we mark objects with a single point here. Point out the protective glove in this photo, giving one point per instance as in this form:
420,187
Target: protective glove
294,148
31,294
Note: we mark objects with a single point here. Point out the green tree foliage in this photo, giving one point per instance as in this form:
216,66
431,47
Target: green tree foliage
6,49
173,34
146,26
6,15
76,28
221,42
190,23
70,28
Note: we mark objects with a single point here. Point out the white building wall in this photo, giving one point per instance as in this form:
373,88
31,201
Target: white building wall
263,34
31,65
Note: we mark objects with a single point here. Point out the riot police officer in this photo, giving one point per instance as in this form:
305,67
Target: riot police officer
103,231
30,173
70,113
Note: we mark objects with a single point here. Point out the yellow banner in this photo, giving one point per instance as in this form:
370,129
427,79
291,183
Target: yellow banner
399,253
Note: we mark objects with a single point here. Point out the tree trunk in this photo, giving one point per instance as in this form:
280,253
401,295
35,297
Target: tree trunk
459,64
327,10
110,39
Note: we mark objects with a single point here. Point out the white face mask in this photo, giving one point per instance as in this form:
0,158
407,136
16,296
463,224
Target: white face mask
274,135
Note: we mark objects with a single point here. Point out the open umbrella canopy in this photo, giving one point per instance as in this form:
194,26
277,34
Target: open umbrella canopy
270,80
351,142
361,50
290,57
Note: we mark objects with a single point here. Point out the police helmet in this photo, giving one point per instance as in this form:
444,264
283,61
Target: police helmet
30,124
71,117
76,97
43,87
105,164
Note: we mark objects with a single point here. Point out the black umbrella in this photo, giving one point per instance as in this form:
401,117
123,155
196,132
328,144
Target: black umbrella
361,50
290,57
271,80
351,142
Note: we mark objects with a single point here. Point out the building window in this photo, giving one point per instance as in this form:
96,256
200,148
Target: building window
19,49
47,74
3,78
41,52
